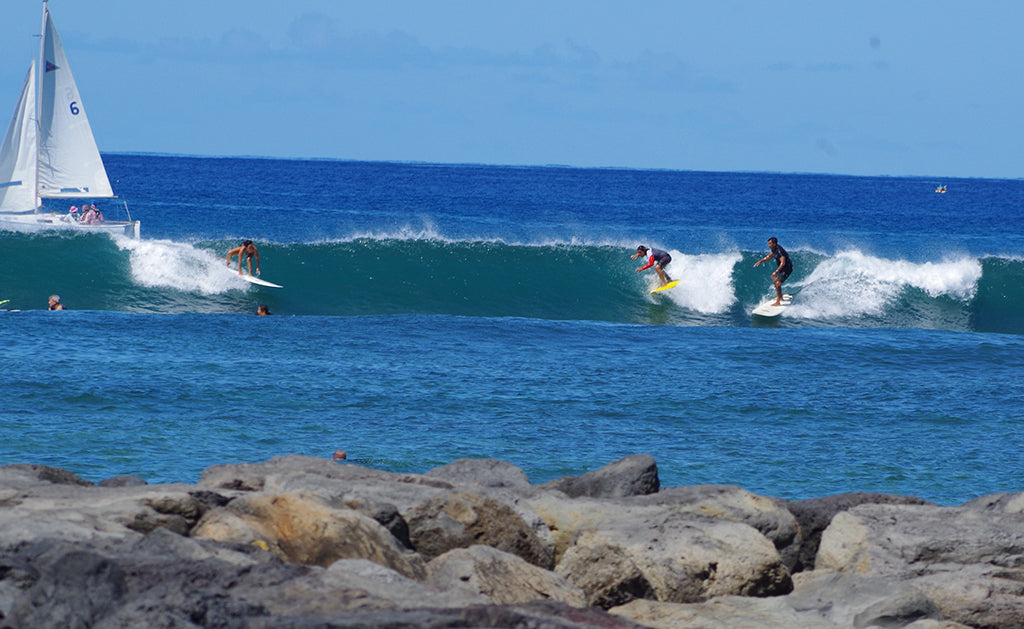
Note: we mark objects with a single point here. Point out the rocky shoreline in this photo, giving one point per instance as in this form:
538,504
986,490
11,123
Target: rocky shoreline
299,542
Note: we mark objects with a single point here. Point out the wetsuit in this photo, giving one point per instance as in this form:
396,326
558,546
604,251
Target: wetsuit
782,273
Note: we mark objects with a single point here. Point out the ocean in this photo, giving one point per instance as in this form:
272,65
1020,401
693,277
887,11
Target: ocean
434,312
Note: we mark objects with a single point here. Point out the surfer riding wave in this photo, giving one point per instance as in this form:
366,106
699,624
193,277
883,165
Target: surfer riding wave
657,258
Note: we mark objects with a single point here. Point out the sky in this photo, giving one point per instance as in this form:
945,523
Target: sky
905,88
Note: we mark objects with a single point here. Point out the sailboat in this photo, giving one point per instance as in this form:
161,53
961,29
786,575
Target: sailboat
49,152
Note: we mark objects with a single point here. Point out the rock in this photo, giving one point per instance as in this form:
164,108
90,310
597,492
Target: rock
901,540
566,517
72,588
1003,502
24,474
735,504
672,557
855,600
386,515
86,512
307,542
502,577
293,473
532,615
822,600
814,514
976,595
463,519
482,473
123,480
968,561
726,612
350,586
303,530
634,475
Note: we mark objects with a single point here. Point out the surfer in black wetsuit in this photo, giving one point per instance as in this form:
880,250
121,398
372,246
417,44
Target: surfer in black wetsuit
657,258
781,273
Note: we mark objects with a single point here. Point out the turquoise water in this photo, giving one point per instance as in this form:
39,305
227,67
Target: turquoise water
438,312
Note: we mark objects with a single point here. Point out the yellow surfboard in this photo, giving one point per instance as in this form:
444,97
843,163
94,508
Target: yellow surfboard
665,287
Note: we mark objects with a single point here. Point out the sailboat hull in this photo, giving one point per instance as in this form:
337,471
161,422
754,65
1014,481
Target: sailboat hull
45,221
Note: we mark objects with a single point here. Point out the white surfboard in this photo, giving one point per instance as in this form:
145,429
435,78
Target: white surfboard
767,309
252,279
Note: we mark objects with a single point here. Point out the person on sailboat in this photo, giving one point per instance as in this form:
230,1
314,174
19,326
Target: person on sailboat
73,216
98,218
89,218
248,250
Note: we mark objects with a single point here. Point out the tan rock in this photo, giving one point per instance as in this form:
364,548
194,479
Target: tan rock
300,529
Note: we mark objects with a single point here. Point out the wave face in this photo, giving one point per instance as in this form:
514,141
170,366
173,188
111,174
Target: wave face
424,274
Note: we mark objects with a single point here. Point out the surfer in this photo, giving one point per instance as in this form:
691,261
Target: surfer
781,273
655,257
55,303
248,250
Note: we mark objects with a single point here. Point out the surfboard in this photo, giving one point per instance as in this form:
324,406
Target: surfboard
665,287
252,279
768,310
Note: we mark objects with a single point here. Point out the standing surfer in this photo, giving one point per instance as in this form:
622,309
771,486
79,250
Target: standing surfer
248,250
781,273
655,257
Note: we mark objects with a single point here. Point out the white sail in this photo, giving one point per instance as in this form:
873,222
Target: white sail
18,153
69,161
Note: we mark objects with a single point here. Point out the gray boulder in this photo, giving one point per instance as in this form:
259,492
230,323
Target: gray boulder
502,577
1002,503
814,514
481,473
856,600
735,504
725,612
634,475
673,557
124,480
27,475
968,561
463,519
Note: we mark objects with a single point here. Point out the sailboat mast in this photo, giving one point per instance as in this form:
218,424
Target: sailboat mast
40,69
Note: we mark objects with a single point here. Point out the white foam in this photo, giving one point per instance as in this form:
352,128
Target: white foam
853,283
705,281
169,264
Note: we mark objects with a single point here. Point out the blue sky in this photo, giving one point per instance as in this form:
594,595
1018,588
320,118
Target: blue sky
862,88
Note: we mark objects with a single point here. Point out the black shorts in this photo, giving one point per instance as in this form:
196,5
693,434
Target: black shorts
782,275
663,261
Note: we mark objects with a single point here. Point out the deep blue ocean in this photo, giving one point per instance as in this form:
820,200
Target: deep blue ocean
435,312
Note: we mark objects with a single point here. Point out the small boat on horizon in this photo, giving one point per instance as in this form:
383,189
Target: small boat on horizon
49,152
